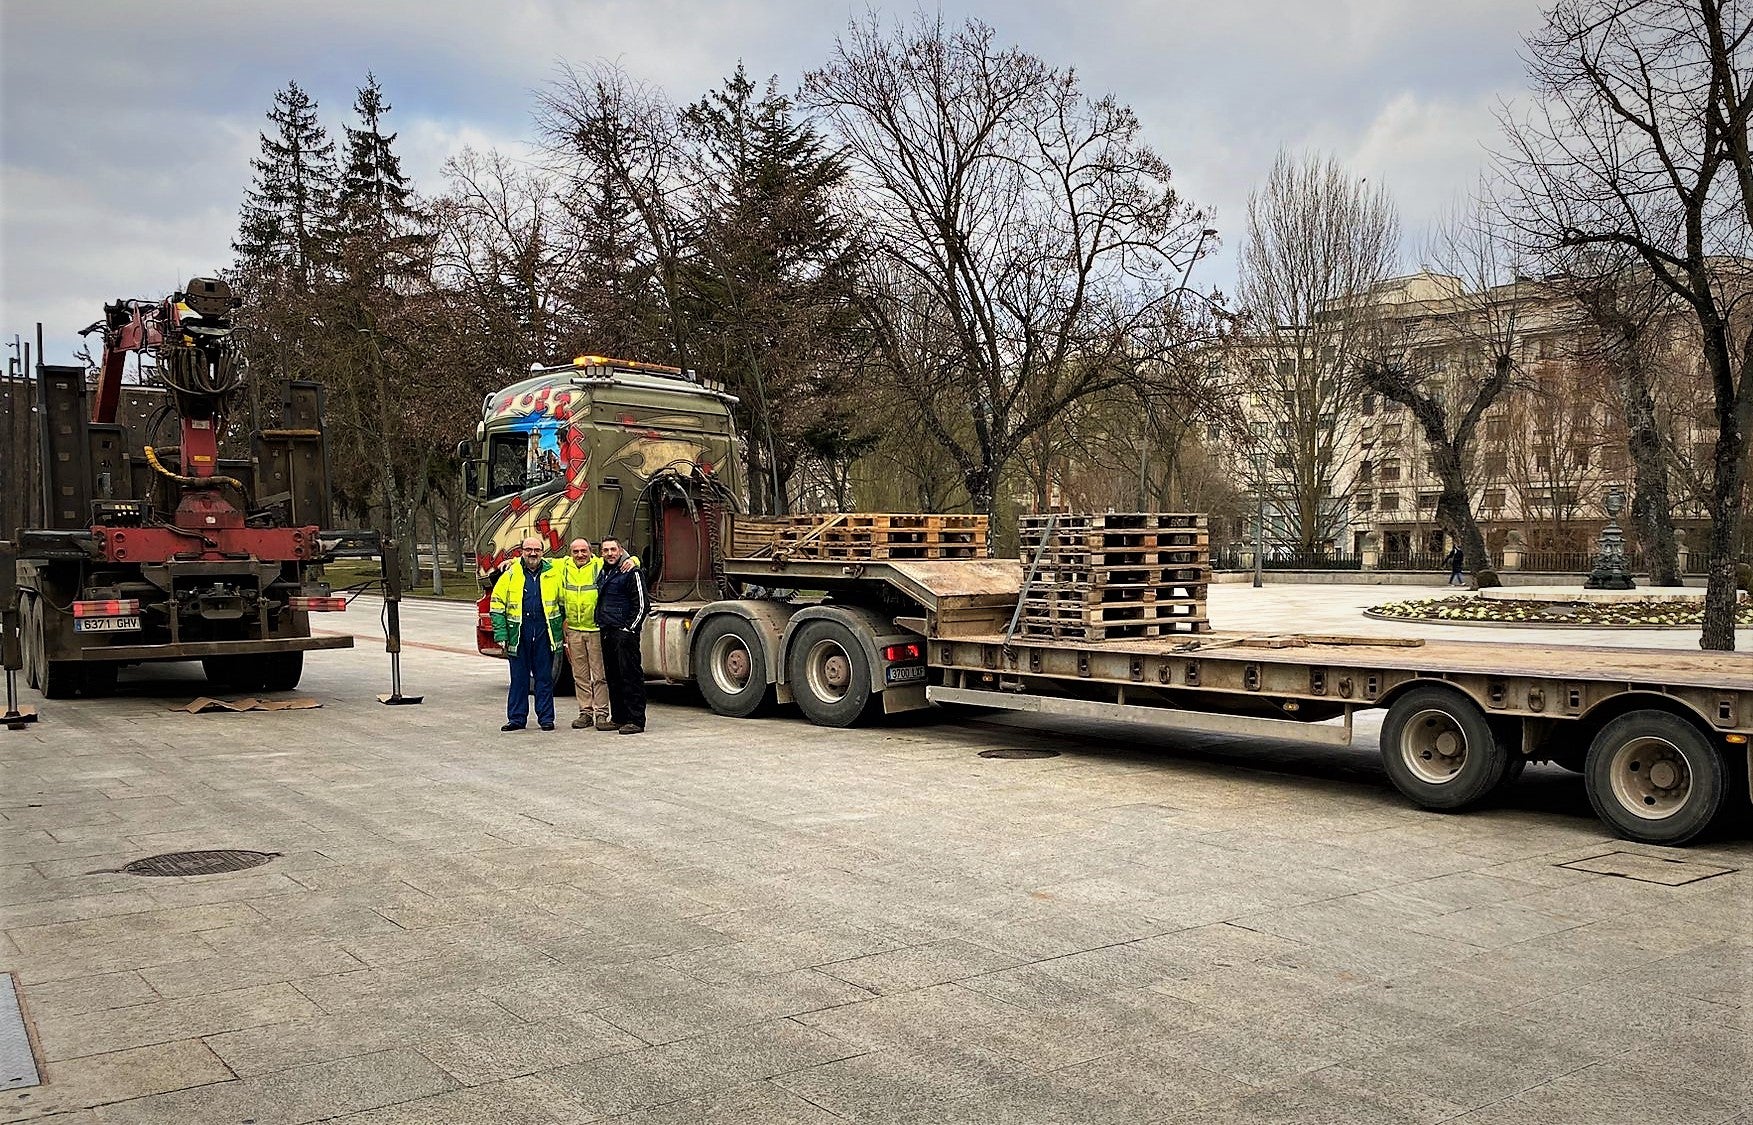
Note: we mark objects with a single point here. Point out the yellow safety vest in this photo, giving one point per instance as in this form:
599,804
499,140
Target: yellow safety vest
578,590
506,603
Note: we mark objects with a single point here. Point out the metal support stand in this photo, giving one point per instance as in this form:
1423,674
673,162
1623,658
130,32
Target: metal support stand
392,633
11,652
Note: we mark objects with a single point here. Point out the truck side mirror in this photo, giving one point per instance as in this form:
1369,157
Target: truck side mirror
472,477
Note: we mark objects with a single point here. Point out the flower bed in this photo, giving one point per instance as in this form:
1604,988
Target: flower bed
1493,611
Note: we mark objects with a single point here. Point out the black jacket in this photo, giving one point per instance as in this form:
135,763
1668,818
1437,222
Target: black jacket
621,599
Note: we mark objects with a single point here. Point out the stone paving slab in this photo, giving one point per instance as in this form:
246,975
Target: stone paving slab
762,921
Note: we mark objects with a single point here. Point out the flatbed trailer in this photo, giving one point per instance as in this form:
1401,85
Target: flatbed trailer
1661,737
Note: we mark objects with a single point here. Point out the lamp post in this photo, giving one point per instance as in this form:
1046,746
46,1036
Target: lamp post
1611,572
1144,421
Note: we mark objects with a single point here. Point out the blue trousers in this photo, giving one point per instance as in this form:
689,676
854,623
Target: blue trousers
534,656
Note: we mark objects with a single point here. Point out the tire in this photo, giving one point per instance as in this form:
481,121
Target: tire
1653,777
829,674
56,679
29,642
1440,751
280,671
730,667
1509,739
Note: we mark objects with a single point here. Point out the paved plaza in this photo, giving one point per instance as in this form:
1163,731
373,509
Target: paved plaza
770,923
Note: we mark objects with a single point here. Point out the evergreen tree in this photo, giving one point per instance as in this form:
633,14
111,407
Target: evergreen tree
769,276
290,205
376,211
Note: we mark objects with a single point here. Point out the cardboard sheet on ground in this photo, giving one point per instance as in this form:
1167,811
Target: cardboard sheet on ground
207,704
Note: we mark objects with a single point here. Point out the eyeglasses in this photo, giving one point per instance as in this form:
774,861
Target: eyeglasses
532,550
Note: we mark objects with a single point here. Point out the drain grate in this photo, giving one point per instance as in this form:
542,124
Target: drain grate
1013,752
1648,868
197,863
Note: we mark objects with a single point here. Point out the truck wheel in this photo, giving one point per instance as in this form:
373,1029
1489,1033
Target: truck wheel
1439,749
56,679
29,642
1652,777
730,666
829,674
280,671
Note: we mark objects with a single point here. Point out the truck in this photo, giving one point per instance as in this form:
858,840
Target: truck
894,617
141,550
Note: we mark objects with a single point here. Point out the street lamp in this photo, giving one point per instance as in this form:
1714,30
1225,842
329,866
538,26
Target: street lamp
1144,420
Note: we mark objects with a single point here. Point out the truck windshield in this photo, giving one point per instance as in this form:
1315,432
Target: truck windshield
518,462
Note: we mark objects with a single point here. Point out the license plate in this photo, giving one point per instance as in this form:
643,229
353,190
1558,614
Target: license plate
106,625
905,674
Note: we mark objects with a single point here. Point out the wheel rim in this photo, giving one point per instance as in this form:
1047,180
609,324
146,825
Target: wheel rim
1433,746
1651,778
829,671
731,664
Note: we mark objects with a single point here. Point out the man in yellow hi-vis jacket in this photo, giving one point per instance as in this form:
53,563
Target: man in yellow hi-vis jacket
526,612
584,640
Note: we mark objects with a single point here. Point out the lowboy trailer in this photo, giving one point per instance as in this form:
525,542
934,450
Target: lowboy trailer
1661,737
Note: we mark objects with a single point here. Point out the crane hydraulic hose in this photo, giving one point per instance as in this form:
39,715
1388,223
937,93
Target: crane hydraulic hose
197,482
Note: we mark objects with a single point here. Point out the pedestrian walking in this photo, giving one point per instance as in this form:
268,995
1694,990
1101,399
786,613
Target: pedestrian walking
584,639
527,616
621,608
1455,558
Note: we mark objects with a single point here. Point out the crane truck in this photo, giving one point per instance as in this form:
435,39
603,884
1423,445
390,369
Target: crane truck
651,455
146,551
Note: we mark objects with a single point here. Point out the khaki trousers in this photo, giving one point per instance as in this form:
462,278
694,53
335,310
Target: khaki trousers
584,650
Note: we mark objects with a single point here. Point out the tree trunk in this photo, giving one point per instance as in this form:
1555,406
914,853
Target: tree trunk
1721,596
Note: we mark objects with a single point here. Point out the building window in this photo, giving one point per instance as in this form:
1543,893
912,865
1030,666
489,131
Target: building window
1427,501
1493,501
1365,501
1390,502
1391,431
1496,429
1390,470
1369,406
1366,472
1496,464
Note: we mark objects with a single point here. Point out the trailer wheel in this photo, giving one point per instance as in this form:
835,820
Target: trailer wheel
730,666
1439,749
1654,778
829,674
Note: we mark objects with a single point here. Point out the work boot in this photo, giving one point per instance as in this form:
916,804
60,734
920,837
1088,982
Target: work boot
581,723
608,724
632,728
512,726
547,726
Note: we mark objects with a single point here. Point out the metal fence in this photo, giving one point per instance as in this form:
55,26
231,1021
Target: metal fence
1240,556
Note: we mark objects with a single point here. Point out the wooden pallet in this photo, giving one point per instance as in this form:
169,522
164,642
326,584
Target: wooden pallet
1115,521
1121,595
1070,632
855,536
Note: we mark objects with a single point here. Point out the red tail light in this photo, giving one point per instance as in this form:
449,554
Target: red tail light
901,652
114,607
320,605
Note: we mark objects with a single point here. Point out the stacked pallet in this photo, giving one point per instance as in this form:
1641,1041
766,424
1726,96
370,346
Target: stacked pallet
860,536
1122,574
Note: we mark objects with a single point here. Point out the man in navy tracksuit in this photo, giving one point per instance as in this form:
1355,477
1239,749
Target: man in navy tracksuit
621,608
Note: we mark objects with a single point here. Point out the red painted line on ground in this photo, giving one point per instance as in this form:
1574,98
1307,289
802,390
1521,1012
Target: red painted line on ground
405,644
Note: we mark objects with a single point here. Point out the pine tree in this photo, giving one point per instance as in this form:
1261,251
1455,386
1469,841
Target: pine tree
769,278
290,205
376,211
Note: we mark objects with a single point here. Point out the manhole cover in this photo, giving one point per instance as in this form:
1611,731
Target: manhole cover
197,863
1648,868
1018,752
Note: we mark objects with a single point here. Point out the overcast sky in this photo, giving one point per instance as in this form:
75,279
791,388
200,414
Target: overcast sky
126,129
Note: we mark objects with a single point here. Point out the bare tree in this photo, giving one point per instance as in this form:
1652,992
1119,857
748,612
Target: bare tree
1318,244
1639,141
1023,238
1448,355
